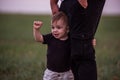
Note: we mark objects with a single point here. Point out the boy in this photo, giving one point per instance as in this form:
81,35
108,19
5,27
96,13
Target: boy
84,17
58,53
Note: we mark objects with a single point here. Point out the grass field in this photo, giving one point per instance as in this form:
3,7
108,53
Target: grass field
21,58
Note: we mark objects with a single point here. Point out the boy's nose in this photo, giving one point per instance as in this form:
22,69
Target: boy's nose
55,30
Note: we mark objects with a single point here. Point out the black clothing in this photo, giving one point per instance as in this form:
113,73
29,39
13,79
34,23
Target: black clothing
58,53
83,25
84,70
83,22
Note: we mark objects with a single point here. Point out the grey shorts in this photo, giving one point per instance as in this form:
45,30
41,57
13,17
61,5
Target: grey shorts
51,75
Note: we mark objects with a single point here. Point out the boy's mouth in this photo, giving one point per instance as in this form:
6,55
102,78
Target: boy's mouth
56,35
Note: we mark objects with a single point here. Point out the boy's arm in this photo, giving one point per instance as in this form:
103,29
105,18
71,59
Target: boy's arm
54,6
36,33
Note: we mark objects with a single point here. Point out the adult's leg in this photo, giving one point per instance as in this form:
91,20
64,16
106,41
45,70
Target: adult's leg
84,23
84,64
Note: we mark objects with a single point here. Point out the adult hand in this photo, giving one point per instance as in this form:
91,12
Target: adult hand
83,3
94,42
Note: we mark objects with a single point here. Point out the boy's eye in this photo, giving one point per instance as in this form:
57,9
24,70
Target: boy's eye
58,27
52,27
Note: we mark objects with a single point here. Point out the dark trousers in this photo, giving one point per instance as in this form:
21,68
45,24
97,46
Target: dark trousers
83,62
84,70
83,25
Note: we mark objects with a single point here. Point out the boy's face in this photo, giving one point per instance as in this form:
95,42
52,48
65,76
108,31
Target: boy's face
59,29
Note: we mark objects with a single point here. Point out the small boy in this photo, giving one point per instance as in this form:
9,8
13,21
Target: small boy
58,52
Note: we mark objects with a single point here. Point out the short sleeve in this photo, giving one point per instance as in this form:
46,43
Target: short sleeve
47,38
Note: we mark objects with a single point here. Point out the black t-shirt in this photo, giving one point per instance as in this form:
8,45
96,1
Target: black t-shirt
58,53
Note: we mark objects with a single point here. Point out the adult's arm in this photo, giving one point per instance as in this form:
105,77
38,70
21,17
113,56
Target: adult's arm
83,3
54,6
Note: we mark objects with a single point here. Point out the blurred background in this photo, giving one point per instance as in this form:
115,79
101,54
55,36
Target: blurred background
43,7
21,58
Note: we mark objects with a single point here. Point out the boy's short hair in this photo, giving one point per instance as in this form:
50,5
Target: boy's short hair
60,15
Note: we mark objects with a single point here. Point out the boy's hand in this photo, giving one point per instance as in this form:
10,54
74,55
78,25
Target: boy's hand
37,24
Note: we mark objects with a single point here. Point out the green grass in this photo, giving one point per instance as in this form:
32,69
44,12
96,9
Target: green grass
21,58
108,48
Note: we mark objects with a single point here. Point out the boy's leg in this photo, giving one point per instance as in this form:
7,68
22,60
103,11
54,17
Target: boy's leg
67,75
50,75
